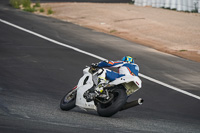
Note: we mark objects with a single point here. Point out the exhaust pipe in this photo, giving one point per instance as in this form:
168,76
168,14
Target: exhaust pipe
132,104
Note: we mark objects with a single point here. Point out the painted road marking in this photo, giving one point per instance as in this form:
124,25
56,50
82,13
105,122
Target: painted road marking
98,57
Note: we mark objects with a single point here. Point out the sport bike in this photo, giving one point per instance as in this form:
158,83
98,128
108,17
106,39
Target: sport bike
107,103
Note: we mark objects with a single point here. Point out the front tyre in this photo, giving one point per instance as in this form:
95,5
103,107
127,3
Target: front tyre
68,101
111,108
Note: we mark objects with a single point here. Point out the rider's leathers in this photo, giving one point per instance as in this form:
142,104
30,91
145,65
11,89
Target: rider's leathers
124,68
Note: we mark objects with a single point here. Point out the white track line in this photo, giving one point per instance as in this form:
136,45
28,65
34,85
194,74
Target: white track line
98,57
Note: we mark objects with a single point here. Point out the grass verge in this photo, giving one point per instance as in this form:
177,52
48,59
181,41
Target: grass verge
49,11
26,5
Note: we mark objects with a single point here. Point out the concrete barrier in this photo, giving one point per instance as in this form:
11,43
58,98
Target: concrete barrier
179,5
162,3
173,4
199,7
190,5
167,3
149,2
144,3
153,3
184,5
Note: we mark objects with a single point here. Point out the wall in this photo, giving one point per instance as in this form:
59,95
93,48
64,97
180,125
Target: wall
179,5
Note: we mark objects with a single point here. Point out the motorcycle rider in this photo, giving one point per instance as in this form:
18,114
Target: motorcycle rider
125,67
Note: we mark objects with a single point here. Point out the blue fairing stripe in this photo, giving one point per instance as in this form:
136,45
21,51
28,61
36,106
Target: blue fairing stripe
108,64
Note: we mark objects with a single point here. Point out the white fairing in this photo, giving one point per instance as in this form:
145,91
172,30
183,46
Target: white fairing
81,89
127,79
131,83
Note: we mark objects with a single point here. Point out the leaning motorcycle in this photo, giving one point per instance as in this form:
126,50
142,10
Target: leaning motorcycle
107,103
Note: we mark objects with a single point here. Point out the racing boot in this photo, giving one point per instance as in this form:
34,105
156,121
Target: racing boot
101,85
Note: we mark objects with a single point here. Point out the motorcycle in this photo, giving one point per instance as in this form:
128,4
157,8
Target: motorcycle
107,103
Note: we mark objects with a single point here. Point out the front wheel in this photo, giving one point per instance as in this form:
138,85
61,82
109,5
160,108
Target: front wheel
68,101
111,108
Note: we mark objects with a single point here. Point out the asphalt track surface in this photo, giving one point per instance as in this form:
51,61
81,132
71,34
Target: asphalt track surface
36,73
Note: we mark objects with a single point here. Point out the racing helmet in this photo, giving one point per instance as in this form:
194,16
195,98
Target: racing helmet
128,59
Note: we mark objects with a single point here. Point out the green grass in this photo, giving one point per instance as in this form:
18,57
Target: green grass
18,3
50,11
113,31
132,2
37,4
26,6
15,3
30,9
183,50
194,11
26,3
41,10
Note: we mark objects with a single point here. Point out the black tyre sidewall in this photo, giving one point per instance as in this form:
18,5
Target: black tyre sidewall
116,106
67,105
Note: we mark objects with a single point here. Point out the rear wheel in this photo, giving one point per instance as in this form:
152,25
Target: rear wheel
111,108
68,101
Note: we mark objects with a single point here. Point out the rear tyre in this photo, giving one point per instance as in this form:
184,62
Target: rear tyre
111,108
68,101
